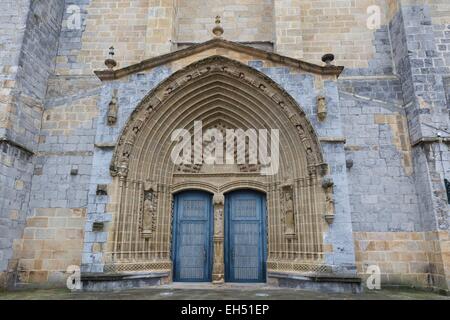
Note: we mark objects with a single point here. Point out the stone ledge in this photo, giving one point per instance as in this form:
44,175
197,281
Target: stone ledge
16,145
122,281
122,276
109,75
332,283
333,139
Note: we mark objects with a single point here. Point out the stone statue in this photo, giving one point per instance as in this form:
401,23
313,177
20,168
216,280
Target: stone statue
289,214
329,203
148,214
149,209
113,110
218,201
328,186
321,108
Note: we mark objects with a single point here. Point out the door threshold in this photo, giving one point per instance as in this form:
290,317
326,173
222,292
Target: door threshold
211,286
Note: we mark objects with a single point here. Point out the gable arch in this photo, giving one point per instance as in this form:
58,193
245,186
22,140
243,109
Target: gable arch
212,90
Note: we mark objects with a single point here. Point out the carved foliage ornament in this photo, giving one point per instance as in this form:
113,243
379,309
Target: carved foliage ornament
214,65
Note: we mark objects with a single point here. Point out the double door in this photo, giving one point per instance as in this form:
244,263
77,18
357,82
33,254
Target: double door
244,243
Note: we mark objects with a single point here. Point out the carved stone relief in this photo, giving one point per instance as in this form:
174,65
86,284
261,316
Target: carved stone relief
328,185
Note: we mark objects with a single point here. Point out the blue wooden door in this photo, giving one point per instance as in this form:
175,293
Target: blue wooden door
245,243
192,241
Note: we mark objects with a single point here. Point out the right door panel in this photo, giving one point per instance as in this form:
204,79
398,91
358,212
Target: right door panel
245,240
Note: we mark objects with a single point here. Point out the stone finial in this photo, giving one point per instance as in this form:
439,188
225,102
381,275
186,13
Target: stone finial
328,59
218,30
110,62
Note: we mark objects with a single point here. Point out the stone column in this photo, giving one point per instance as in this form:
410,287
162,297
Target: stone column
218,264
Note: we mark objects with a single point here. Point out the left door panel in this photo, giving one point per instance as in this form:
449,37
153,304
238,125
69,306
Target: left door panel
192,237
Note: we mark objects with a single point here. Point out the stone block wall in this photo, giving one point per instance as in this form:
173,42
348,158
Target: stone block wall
404,228
382,184
298,28
416,259
15,186
29,35
137,29
13,15
250,20
339,27
60,184
52,241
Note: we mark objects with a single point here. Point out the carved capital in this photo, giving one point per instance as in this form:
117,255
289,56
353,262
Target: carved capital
218,199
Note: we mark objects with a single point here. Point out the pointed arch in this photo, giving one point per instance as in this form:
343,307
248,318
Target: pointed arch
249,95
211,90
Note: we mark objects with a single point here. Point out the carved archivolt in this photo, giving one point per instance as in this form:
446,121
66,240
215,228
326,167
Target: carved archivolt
215,65
227,94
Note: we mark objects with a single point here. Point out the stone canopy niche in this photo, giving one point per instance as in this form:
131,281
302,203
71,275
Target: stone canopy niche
222,93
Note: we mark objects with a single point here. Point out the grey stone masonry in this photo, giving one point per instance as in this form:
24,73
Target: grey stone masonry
420,55
29,32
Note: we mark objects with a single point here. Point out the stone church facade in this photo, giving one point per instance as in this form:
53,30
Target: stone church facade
92,90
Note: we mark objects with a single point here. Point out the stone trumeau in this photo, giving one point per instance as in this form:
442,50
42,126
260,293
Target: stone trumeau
86,178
